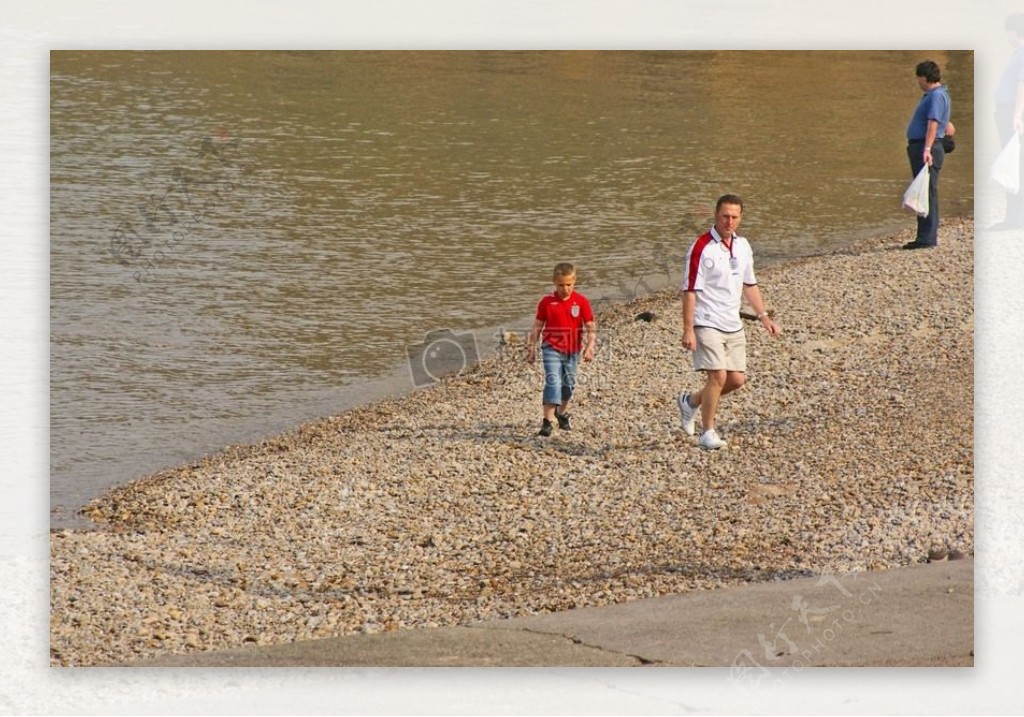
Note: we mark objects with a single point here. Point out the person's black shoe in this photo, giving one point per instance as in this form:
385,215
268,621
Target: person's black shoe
563,420
917,245
545,428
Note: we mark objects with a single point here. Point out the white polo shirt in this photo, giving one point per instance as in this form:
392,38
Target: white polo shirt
717,275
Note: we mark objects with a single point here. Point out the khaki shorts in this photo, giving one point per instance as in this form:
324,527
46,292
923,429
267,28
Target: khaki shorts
718,350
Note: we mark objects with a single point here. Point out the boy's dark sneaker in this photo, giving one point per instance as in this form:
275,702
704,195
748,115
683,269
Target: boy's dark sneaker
545,428
563,420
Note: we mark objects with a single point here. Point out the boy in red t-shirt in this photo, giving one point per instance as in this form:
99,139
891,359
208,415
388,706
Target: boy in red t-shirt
561,318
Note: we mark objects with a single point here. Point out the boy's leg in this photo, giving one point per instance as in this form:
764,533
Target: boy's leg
552,381
570,363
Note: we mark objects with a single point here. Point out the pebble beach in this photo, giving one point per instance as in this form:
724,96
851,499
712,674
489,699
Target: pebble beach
849,449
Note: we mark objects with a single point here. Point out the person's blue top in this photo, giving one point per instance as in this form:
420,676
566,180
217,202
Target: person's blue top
934,105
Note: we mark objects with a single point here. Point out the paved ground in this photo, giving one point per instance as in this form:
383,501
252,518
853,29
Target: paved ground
919,615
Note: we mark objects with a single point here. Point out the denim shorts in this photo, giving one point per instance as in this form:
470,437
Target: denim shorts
559,374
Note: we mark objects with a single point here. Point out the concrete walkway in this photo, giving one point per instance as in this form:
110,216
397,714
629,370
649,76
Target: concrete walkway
919,615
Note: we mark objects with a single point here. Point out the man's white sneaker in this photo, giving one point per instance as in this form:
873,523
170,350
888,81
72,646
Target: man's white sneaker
687,414
710,440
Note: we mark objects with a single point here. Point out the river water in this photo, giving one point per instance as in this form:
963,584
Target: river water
240,241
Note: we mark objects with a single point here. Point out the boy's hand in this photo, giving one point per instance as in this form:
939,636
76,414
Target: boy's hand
588,353
531,353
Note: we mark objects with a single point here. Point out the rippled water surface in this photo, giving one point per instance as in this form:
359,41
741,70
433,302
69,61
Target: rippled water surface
243,240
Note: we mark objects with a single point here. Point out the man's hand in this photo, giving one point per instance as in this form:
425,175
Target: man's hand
689,340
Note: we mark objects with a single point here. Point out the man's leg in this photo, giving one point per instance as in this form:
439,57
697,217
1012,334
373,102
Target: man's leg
708,398
931,227
719,383
927,226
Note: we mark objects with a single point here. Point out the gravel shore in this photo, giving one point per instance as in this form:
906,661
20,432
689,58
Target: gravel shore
850,448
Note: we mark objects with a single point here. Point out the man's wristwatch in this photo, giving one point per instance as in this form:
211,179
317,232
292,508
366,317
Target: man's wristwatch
762,315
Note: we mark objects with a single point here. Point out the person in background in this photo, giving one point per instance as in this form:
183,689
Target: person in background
924,147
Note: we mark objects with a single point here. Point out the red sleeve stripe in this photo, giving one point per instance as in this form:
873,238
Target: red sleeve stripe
695,253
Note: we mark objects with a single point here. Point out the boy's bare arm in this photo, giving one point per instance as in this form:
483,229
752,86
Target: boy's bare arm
588,351
531,340
534,336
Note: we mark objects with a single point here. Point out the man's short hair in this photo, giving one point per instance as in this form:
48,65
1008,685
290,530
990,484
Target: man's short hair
729,199
929,70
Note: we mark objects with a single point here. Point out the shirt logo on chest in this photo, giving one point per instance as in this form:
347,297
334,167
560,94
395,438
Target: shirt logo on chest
575,311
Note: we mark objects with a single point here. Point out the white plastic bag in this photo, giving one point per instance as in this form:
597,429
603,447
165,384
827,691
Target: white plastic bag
916,197
1006,168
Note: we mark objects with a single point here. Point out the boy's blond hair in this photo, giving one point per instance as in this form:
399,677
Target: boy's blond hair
564,269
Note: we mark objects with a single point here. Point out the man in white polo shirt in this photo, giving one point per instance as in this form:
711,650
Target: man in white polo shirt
718,273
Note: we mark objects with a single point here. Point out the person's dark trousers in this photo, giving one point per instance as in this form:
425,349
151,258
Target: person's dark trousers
927,227
1014,202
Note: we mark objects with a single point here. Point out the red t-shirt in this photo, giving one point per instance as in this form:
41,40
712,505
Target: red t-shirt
563,321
